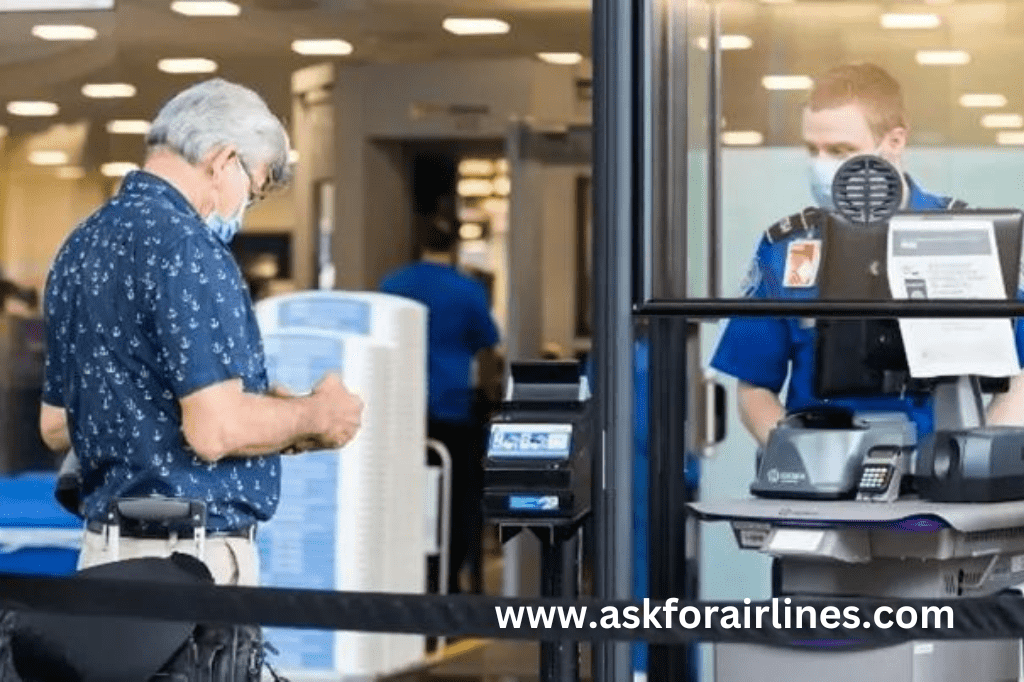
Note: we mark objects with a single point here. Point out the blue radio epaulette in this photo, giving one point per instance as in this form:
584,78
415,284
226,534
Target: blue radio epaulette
804,223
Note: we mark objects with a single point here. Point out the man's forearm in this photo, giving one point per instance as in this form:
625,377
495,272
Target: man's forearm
760,410
1007,409
220,421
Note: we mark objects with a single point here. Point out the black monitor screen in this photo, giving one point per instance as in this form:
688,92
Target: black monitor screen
865,357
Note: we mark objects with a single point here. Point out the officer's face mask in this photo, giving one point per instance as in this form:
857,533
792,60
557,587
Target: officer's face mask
226,228
822,171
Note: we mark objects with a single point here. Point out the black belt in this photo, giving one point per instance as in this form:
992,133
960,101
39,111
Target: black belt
159,532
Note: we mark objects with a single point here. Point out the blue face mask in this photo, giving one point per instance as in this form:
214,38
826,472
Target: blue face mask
226,228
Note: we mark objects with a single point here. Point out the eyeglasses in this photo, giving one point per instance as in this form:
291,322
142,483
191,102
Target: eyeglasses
260,192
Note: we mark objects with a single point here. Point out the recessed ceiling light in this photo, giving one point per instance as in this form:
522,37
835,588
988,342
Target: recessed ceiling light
787,82
463,26
108,90
943,57
746,138
1015,137
470,231
187,65
982,101
64,32
474,187
32,108
561,58
127,127
293,156
897,20
477,167
117,169
206,8
728,42
70,172
47,157
1002,121
322,47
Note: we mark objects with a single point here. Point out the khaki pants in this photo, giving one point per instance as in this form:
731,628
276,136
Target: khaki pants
232,561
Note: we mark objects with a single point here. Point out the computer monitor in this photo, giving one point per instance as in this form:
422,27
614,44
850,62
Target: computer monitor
864,357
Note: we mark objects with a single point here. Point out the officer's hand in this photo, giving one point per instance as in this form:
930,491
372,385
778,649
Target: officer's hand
339,412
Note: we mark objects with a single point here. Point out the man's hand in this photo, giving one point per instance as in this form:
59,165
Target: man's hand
339,412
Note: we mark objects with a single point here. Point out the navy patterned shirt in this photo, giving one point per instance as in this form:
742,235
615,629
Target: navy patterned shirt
143,306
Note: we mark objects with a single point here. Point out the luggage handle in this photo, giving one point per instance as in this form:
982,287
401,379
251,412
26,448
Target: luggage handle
157,509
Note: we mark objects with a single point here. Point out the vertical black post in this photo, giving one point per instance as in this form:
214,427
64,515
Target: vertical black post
614,221
668,491
559,661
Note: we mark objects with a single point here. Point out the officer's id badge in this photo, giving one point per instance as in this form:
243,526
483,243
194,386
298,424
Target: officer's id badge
803,256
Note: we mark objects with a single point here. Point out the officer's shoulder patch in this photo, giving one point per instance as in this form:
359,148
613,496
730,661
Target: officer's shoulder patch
802,224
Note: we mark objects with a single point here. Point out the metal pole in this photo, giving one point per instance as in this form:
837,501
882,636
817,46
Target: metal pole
614,220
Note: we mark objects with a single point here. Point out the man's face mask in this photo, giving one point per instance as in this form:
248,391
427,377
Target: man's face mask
822,171
226,228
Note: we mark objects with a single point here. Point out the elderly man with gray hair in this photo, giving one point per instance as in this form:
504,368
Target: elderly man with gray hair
154,366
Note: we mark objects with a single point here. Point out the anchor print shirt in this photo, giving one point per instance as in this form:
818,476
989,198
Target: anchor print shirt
143,306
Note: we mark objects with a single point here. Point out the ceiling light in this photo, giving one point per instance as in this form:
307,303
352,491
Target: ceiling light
787,82
897,20
206,8
70,172
502,186
293,156
325,48
475,187
728,42
32,108
117,169
47,157
108,90
462,26
748,138
470,231
55,5
1002,121
982,101
187,65
943,57
64,32
127,127
478,167
1015,137
560,58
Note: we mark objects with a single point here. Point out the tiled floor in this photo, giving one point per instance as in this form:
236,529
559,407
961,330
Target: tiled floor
487,661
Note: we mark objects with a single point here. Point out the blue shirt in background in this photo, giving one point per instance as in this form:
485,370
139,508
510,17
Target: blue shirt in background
143,306
764,351
459,326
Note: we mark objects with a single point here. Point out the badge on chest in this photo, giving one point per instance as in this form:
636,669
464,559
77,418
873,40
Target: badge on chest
803,256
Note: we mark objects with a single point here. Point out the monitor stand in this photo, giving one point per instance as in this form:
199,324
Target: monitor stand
957,404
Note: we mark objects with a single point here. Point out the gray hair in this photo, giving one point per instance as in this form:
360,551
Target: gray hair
215,114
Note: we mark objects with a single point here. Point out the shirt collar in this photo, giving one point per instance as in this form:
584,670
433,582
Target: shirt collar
146,183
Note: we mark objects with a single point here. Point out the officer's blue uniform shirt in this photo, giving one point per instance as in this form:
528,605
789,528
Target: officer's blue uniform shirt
759,350
143,306
460,325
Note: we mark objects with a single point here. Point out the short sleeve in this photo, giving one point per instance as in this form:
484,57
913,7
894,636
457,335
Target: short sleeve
55,323
483,330
756,349
199,309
